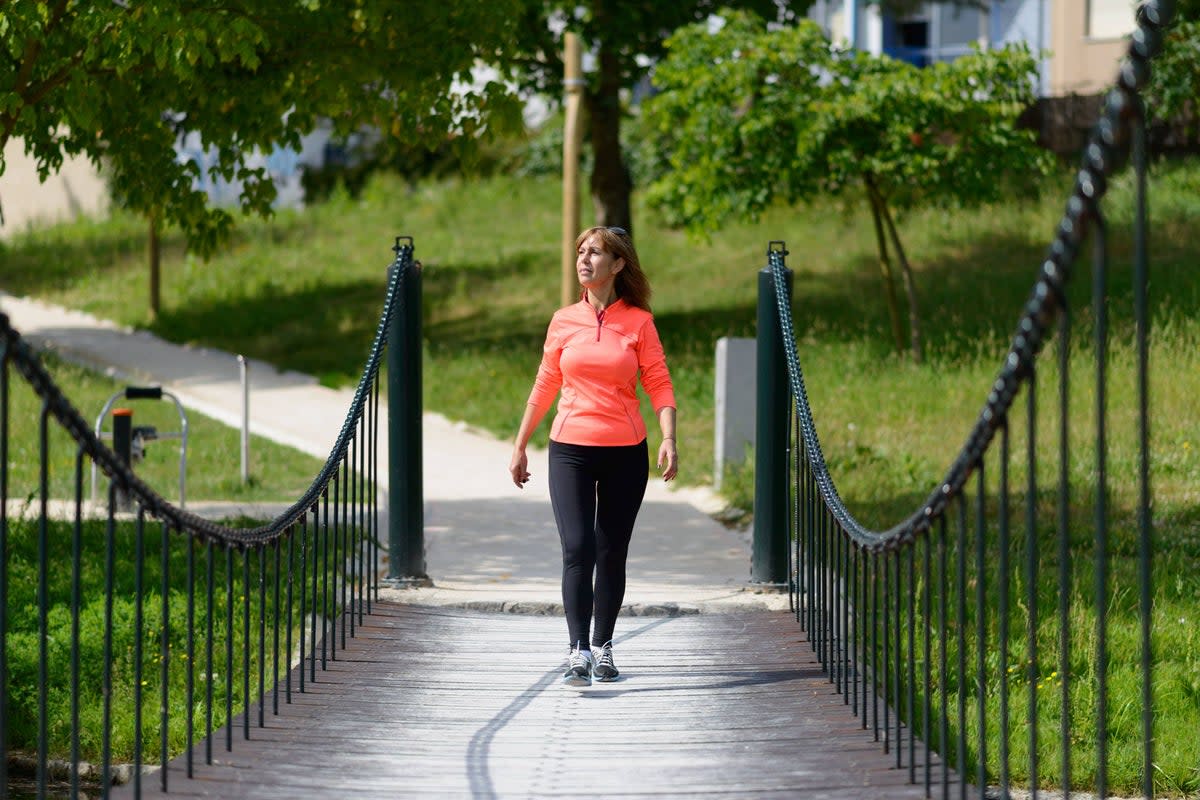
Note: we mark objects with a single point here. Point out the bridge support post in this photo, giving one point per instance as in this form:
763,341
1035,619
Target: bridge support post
769,558
406,489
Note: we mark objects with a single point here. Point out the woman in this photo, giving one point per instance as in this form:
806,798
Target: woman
595,351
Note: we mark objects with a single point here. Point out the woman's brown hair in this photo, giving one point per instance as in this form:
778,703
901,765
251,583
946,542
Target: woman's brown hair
631,284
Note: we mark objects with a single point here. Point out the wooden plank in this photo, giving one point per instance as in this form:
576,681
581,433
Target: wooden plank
429,702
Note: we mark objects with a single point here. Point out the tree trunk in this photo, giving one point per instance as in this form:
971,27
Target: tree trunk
154,251
5,132
885,266
910,289
611,184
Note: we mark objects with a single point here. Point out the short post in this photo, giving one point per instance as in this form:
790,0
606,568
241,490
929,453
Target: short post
769,558
243,370
122,422
734,396
406,491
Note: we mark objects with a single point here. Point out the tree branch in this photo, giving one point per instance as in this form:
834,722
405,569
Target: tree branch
910,289
883,218
53,82
878,210
33,49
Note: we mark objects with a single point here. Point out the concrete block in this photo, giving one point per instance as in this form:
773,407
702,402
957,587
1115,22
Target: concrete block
736,380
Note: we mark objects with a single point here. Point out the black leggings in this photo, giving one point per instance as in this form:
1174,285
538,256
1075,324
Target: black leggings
596,493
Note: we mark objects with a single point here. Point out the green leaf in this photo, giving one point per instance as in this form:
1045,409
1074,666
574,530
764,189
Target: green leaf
244,77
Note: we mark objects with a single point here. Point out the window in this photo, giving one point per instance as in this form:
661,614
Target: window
958,27
913,33
1110,19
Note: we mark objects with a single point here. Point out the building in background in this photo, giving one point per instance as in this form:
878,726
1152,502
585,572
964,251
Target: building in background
1080,41
75,190
78,189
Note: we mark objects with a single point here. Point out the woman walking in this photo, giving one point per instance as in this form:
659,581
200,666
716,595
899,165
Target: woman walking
595,352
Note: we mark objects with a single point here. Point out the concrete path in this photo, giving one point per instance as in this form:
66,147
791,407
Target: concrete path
489,545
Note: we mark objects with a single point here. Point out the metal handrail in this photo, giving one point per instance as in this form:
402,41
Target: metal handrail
858,592
320,559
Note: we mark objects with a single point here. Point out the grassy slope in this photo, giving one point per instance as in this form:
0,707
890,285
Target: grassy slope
491,281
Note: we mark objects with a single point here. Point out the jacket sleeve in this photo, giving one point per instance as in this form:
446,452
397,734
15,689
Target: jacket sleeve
652,361
549,376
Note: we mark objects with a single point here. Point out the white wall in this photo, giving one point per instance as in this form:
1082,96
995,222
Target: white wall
1028,21
79,190
76,190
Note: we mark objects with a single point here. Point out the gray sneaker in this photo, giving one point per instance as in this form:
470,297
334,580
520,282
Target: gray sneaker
579,668
604,670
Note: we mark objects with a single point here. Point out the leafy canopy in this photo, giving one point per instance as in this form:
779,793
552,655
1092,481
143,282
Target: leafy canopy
120,82
630,34
749,115
1174,91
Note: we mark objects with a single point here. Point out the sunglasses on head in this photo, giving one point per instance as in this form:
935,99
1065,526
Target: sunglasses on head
618,231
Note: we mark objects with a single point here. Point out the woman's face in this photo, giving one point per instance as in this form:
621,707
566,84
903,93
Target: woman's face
594,265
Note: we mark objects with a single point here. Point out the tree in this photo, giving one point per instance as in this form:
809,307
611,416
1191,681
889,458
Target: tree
749,116
1187,10
1175,74
626,37
120,82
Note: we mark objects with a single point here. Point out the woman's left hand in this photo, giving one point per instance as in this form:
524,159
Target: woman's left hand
668,459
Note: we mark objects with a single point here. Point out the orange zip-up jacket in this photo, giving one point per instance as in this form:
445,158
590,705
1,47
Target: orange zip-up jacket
595,359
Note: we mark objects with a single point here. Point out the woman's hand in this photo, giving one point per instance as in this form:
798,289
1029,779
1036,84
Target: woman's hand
668,459
519,467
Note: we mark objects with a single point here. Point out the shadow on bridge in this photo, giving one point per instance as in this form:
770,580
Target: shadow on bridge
430,702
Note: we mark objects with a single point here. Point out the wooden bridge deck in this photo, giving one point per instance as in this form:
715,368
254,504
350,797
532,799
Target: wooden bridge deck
430,702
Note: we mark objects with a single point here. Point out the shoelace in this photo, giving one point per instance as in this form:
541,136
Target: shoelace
605,657
578,659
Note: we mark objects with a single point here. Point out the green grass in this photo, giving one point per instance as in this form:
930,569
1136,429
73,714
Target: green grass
23,637
277,473
1176,651
490,251
889,428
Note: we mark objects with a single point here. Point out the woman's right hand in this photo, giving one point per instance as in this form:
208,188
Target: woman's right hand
519,467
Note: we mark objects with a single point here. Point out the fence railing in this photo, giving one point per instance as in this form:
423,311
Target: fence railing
972,638
124,637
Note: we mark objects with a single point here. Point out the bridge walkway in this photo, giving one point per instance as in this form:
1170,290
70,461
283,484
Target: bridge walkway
442,702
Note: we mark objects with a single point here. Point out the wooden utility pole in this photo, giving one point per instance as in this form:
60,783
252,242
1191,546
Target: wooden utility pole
573,86
154,252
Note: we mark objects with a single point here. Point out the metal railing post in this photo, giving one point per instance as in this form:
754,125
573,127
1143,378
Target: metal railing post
770,551
122,422
406,514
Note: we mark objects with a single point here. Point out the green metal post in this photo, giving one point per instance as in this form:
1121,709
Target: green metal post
769,558
406,513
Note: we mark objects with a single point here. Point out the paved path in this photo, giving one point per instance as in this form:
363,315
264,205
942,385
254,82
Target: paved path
447,703
488,544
